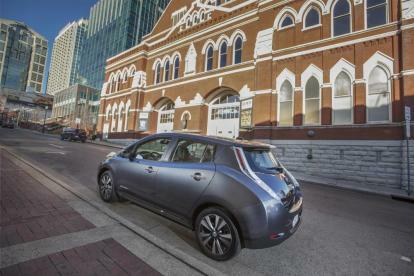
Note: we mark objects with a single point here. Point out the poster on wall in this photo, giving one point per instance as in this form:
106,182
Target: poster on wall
143,121
246,113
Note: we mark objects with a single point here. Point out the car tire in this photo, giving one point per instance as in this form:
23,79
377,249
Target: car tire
217,234
106,187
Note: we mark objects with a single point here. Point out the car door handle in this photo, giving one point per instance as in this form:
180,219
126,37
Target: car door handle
150,170
197,176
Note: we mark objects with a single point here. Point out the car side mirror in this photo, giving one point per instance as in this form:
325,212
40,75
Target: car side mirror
131,156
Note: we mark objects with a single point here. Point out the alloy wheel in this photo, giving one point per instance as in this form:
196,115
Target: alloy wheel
215,234
106,186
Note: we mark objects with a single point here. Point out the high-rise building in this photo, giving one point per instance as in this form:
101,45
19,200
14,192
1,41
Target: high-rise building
115,26
23,55
66,55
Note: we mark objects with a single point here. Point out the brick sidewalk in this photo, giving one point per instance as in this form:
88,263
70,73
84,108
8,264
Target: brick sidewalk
29,212
106,257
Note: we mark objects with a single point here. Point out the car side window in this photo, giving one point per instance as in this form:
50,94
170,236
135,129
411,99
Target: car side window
188,151
152,150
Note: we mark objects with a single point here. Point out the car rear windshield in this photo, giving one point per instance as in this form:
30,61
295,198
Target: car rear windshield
262,160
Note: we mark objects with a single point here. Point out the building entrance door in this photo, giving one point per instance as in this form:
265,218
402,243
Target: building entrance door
224,116
166,118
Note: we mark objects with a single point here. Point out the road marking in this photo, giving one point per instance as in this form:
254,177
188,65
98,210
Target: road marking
405,259
56,146
55,152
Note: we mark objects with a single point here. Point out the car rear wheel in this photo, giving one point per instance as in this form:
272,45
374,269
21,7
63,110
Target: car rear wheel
217,234
107,187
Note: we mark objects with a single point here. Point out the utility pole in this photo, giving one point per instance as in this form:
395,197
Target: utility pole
44,119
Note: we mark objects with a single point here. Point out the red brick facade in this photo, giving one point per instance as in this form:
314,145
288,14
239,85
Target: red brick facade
274,49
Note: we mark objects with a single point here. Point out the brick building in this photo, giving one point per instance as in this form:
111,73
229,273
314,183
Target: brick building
326,81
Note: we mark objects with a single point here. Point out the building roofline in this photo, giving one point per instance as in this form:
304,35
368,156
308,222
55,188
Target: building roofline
10,21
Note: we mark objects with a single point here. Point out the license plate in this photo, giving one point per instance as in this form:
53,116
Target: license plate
295,221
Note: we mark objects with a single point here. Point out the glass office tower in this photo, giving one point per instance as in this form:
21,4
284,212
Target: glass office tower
22,57
115,26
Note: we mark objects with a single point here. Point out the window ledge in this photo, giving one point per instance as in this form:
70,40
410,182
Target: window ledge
286,28
311,27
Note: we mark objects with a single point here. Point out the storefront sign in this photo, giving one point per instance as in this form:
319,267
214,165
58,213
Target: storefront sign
144,115
143,121
246,113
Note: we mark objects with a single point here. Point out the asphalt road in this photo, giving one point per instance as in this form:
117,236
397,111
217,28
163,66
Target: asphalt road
343,232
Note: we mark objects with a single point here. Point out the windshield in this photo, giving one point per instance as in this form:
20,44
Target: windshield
262,160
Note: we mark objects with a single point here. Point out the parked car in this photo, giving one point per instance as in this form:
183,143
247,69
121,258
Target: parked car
232,193
73,134
9,124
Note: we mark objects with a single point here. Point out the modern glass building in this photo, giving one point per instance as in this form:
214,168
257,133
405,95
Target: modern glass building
22,57
115,26
66,56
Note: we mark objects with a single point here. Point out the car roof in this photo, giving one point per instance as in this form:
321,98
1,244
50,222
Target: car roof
215,140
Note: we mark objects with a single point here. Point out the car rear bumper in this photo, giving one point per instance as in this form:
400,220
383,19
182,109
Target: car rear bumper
273,238
280,225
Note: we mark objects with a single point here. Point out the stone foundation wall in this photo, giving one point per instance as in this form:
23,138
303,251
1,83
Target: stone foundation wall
404,177
368,163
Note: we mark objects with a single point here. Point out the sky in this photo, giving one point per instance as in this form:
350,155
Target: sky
47,17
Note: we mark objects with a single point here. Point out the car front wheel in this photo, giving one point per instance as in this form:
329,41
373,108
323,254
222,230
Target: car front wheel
217,234
107,187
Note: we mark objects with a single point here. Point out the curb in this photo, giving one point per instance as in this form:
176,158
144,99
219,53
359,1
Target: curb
402,195
105,145
180,255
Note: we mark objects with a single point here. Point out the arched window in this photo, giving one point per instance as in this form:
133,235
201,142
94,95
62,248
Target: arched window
209,58
223,54
312,18
125,76
158,73
132,71
378,100
286,104
118,82
312,102
341,18
342,100
238,47
108,111
176,67
287,22
377,12
167,71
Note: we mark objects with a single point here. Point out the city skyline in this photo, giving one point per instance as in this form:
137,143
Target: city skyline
47,17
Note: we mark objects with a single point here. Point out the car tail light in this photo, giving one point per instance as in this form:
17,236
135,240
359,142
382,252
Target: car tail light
275,236
245,168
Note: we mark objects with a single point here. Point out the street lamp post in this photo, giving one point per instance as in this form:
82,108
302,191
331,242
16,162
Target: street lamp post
44,119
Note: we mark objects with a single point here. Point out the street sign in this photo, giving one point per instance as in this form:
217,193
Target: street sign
77,121
408,122
408,113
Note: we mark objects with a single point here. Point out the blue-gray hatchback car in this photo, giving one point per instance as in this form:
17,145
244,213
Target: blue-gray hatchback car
233,193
